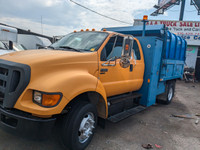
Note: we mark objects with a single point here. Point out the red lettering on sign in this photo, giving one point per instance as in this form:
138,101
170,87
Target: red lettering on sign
196,24
186,24
175,24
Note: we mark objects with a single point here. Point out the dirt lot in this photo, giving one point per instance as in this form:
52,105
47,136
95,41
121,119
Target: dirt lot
154,125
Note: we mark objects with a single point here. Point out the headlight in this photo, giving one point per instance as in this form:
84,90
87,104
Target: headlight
46,99
37,97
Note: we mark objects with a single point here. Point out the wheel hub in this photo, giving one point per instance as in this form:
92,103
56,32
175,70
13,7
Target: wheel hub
86,127
170,94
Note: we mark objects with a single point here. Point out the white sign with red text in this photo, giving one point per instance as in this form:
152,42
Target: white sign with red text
164,2
189,30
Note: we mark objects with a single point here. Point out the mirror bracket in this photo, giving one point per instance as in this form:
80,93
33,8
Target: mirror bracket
107,63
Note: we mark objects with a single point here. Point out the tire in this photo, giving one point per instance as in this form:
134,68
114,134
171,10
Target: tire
167,97
170,92
79,125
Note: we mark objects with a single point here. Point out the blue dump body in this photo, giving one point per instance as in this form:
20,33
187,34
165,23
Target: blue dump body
164,56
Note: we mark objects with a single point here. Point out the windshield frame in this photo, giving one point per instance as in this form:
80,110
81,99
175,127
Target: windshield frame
80,50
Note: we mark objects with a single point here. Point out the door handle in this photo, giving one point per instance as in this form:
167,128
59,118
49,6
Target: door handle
102,71
131,67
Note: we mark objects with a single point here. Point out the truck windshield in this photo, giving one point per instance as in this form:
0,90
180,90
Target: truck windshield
81,41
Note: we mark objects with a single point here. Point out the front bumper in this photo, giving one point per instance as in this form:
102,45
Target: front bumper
24,124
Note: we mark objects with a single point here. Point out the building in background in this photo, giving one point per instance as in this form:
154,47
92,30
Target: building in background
190,31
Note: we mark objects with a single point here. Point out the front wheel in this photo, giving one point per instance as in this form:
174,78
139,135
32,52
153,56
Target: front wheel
79,125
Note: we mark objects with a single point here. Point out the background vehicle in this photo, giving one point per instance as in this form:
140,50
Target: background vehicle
19,47
89,76
7,35
11,41
33,41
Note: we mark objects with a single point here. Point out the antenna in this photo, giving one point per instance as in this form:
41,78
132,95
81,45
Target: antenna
41,25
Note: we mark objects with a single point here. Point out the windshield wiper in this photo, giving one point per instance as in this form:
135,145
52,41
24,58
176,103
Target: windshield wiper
51,47
68,47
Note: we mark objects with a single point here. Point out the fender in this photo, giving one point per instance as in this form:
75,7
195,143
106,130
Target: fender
103,105
69,83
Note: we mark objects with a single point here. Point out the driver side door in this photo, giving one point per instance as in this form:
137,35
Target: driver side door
115,79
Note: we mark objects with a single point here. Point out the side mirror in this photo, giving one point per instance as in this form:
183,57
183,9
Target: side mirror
124,62
127,44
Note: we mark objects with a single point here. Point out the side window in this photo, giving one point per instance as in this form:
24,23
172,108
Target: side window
117,50
113,48
107,49
136,50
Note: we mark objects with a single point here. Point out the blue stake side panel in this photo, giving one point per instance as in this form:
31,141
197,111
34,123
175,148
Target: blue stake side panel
152,56
172,49
178,48
183,50
175,47
171,69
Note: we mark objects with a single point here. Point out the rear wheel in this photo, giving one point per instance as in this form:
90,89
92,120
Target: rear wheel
167,97
79,125
170,92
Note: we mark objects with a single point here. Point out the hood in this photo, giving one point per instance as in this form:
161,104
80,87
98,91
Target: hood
47,57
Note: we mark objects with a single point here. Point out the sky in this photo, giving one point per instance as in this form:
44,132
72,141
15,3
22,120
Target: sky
60,17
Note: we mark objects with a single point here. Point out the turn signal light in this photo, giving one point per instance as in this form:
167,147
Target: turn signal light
145,17
50,100
104,29
46,99
126,47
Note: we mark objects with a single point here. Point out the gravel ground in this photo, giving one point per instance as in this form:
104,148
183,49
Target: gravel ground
154,125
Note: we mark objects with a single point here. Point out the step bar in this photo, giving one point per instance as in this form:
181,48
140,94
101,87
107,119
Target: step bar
125,114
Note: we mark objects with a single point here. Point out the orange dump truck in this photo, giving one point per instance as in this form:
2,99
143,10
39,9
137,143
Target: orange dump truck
80,78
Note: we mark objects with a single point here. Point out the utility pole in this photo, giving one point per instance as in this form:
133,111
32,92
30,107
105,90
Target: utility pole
182,10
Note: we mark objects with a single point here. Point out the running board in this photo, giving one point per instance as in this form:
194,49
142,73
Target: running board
125,114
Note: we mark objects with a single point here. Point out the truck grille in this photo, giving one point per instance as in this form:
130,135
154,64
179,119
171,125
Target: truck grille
14,77
3,81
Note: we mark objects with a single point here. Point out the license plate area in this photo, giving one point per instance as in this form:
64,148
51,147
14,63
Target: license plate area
12,122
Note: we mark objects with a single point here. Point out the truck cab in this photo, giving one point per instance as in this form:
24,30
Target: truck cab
112,73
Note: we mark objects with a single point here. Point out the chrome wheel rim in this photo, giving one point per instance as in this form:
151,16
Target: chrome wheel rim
170,94
86,127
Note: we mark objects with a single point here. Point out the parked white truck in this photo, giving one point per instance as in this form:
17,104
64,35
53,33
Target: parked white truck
8,36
